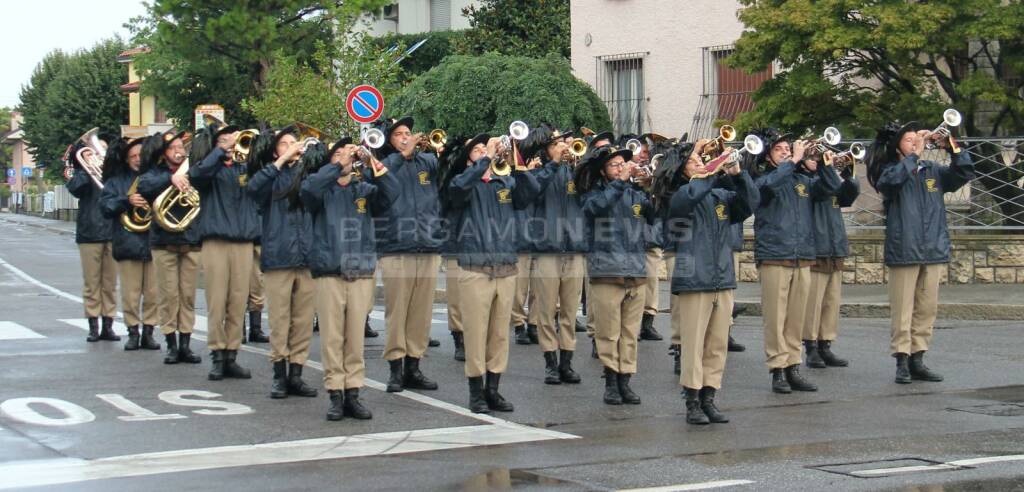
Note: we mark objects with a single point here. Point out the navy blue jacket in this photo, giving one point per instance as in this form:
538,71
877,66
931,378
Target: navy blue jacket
114,201
412,223
618,215
783,223
704,251
488,233
830,239
287,233
226,213
559,225
90,226
343,230
915,213
152,184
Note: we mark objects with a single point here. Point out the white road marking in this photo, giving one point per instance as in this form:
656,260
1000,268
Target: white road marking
10,330
717,484
119,327
988,459
71,470
379,316
951,465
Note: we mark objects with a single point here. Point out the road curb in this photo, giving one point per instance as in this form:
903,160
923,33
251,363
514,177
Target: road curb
952,311
57,230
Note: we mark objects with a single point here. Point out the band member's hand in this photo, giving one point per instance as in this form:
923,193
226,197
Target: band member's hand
698,148
180,181
827,157
227,141
493,145
799,149
136,200
533,163
919,140
733,169
628,170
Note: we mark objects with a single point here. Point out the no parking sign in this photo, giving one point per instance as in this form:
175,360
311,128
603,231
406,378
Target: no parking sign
364,104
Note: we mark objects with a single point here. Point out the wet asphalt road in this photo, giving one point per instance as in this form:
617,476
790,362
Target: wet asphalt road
961,434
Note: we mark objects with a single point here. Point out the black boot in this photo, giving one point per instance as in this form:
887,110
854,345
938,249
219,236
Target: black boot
413,378
477,403
813,359
831,360
172,349
735,346
593,348
107,332
494,399
133,338
551,368
611,387
919,371
316,326
353,407
796,381
460,347
902,369
738,310
217,366
647,330
707,404
279,385
628,396
521,337
184,351
232,369
694,414
565,372
369,332
94,330
676,351
147,342
433,342
581,325
395,381
779,383
298,387
336,410
531,333
256,334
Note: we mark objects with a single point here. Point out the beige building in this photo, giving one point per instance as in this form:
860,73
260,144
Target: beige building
658,64
144,115
414,16
21,160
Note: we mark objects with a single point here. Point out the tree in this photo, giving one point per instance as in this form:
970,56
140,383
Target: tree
5,148
469,94
222,51
531,28
69,94
860,63
437,45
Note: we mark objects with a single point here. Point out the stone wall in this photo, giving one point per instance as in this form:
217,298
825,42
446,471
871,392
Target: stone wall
981,259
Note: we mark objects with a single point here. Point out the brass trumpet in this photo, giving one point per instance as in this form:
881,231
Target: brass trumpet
136,219
850,157
752,145
243,144
433,141
517,131
951,118
715,147
828,139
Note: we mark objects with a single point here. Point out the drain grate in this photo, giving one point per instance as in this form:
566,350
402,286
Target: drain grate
885,468
993,409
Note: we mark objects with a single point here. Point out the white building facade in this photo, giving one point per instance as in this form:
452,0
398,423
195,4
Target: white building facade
415,16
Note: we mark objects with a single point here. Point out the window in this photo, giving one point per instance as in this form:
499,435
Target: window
726,92
440,15
620,84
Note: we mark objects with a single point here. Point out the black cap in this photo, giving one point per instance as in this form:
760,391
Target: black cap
481,138
405,121
609,136
343,141
169,136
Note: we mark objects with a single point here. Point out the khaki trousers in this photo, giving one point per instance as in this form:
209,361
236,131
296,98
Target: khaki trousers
523,296
822,318
409,282
138,292
557,285
913,300
176,277
342,306
451,275
99,280
290,302
486,311
677,313
705,337
654,258
227,266
617,312
591,330
256,299
784,303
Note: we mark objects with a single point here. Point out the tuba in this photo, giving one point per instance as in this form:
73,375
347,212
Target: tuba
136,219
715,147
90,157
174,210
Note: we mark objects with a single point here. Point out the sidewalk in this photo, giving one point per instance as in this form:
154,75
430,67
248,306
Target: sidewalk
52,225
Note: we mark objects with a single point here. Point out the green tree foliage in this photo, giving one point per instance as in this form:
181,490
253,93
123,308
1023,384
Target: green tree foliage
222,51
531,28
5,147
69,94
469,94
439,44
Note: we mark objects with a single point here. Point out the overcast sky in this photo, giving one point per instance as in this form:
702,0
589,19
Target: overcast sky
32,29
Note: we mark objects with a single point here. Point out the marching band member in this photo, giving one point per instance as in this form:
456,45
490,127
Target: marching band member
228,226
92,234
131,249
654,243
487,264
666,181
617,214
254,305
409,246
596,141
560,245
454,163
783,228
916,235
831,247
343,259
175,254
284,257
704,281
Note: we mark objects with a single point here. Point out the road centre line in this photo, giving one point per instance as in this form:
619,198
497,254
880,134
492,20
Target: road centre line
717,484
